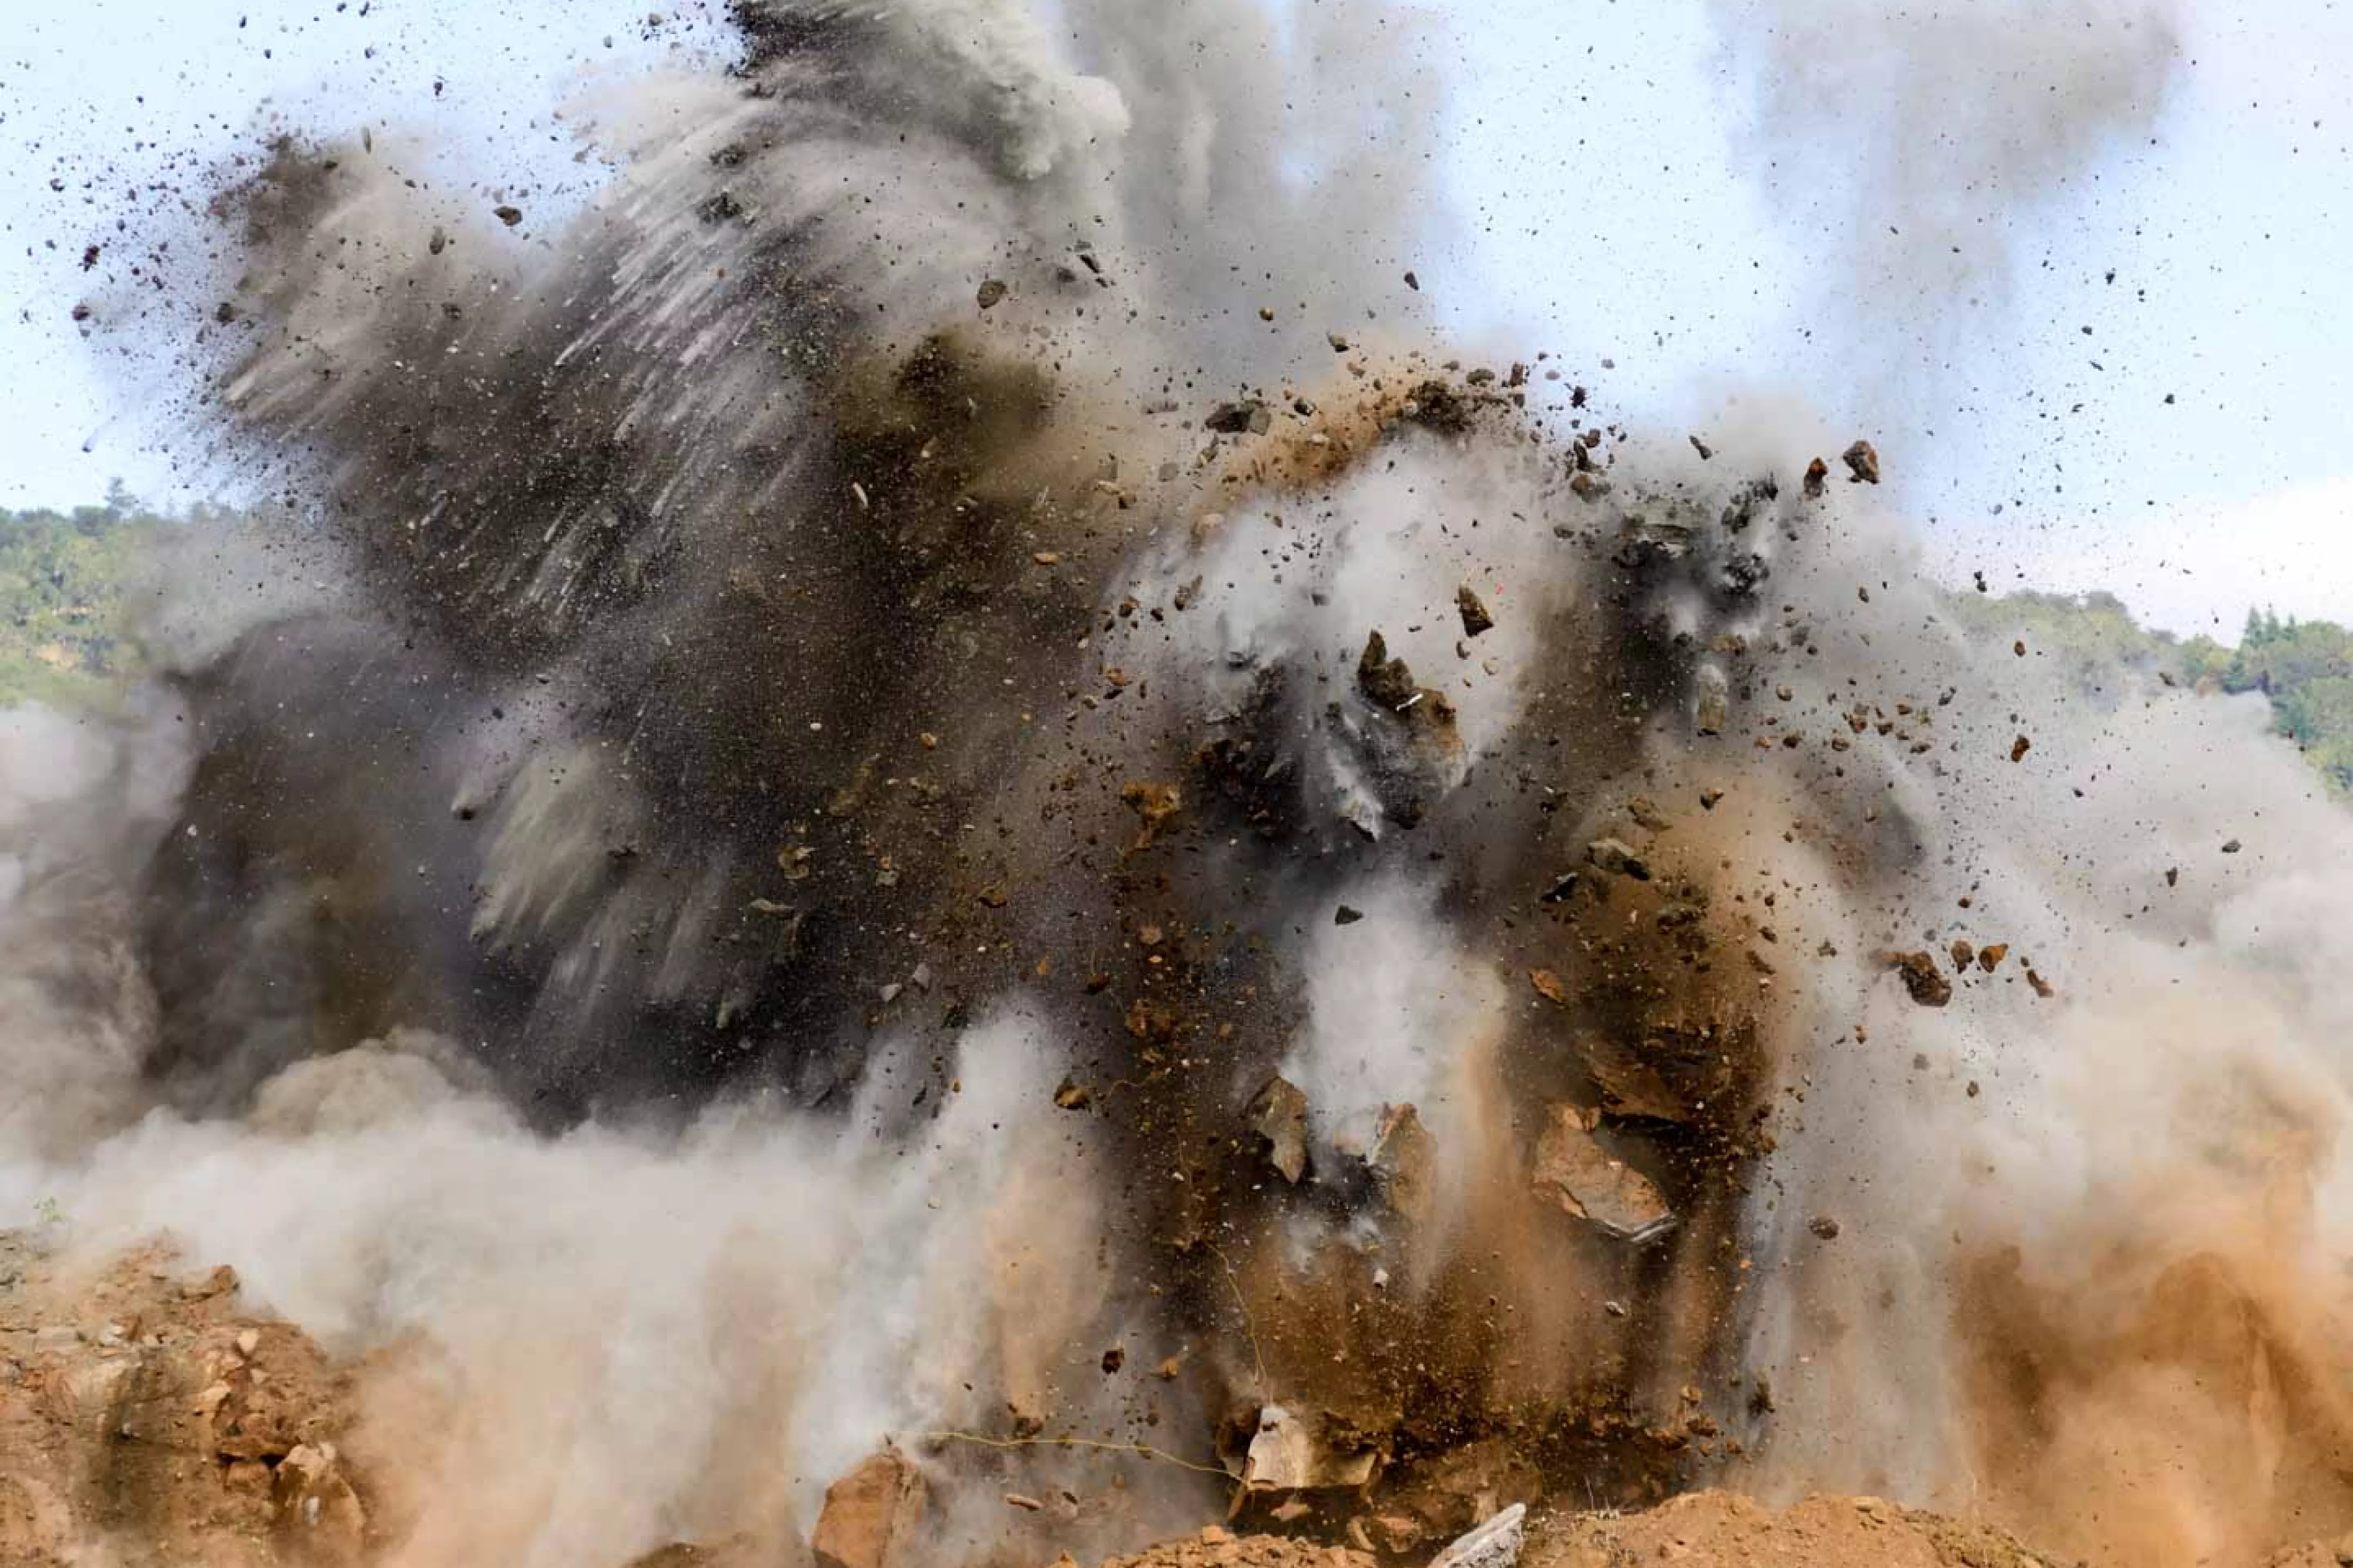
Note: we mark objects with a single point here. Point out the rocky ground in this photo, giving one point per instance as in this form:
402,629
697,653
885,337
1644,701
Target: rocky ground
149,1418
141,1407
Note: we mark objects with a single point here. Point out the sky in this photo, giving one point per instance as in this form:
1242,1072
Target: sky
1613,195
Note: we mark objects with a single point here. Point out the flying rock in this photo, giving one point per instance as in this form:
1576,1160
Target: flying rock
1573,1170
1475,618
1278,1117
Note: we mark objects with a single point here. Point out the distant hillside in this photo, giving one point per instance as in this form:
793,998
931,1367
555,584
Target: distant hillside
63,577
2306,667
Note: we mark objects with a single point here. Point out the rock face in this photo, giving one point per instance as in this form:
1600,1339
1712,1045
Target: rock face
871,1515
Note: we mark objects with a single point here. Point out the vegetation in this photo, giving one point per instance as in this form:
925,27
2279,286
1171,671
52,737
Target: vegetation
2306,667
63,581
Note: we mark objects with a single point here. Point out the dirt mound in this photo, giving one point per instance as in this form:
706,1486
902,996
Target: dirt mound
1218,1548
1702,1530
1720,1530
141,1409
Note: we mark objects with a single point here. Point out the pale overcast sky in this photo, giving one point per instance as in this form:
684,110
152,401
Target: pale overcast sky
1615,207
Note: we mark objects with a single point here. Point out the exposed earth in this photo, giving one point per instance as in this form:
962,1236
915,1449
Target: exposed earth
150,1418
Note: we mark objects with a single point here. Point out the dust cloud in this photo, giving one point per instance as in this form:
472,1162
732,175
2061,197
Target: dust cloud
903,786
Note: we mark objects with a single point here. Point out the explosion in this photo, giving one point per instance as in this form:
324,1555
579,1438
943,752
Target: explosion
921,840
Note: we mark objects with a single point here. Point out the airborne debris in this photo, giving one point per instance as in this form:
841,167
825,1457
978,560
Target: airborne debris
509,215
1576,1172
1404,1158
1823,1225
1617,857
1920,977
1248,418
1344,916
1475,618
1155,804
1277,1115
991,293
1861,463
1293,1453
1548,987
1818,474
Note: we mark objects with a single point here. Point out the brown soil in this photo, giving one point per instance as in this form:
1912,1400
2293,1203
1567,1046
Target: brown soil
1720,1530
149,1419
143,1413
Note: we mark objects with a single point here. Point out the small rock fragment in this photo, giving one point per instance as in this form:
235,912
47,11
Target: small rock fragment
1818,474
1495,1545
1617,857
1920,977
1248,418
1989,957
1824,1227
2018,748
992,292
1963,953
1344,916
1155,804
1278,1116
1475,618
1861,463
508,216
1548,987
